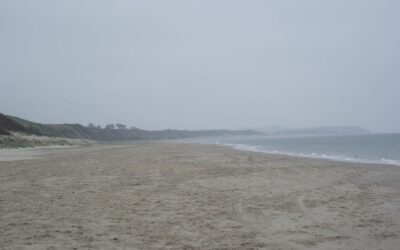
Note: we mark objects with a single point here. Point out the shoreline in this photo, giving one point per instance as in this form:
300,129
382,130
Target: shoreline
238,147
247,148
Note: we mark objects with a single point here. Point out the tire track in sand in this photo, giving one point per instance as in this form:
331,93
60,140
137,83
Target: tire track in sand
253,225
333,232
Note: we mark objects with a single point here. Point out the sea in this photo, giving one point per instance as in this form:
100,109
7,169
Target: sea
365,148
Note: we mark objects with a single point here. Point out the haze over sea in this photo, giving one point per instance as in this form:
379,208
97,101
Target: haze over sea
366,148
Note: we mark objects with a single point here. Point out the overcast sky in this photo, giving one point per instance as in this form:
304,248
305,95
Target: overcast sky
202,64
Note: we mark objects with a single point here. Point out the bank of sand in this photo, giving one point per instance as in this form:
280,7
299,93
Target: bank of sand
166,195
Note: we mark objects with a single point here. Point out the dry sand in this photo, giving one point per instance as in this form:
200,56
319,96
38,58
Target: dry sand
186,196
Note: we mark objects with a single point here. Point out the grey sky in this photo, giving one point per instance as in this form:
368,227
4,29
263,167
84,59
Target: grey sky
202,64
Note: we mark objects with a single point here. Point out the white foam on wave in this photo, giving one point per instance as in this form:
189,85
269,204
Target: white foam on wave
243,147
314,155
391,162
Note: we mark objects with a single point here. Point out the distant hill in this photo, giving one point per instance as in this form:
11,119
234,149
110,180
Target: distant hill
10,124
345,130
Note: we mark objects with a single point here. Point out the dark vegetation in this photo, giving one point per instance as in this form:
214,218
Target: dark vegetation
110,133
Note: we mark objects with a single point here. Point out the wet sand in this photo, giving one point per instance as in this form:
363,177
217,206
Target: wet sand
187,196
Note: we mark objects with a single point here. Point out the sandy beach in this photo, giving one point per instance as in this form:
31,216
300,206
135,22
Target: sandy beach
189,196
